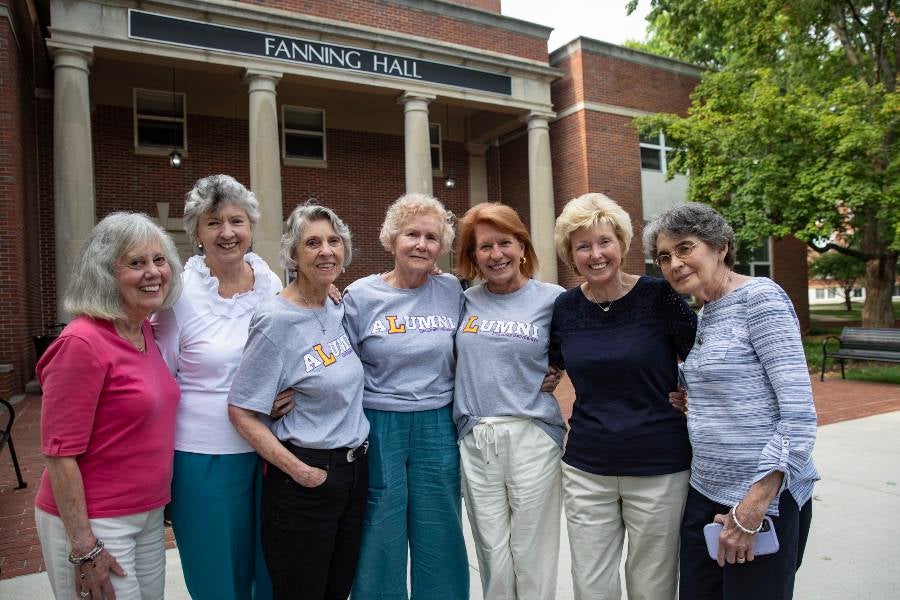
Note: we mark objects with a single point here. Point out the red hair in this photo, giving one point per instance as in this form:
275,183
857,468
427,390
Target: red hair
499,216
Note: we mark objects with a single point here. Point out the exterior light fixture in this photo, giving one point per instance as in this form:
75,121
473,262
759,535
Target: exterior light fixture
450,183
175,157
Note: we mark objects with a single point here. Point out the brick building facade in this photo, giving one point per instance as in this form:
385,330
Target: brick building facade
452,91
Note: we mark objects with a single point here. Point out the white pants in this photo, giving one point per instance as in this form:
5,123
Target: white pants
600,509
136,541
511,484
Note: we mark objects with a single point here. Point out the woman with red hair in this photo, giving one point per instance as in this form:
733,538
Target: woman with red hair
510,431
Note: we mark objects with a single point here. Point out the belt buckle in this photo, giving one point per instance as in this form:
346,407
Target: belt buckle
354,453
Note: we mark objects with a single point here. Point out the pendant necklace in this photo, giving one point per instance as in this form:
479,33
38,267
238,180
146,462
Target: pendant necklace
313,310
599,304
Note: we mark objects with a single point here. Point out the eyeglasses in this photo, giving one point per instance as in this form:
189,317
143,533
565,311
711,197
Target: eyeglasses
663,260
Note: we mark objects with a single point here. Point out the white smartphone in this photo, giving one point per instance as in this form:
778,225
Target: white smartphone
766,541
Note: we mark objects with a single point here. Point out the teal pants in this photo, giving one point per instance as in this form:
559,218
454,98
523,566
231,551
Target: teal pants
215,515
414,506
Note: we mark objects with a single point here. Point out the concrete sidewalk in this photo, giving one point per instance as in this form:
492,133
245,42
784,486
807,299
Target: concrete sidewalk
853,547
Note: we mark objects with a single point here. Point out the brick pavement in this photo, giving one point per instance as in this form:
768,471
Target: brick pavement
836,400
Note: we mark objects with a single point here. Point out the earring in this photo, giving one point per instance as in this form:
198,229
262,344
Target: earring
343,269
523,260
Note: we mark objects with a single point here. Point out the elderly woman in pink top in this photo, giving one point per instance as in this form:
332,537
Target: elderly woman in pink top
108,419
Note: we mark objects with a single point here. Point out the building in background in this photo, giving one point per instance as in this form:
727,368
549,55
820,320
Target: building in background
351,102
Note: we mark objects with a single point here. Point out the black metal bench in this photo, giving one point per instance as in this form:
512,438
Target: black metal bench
6,440
858,343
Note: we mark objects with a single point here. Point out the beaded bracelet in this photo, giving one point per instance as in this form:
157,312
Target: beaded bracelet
734,519
89,557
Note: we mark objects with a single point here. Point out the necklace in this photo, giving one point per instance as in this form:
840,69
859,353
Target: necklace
590,296
599,304
140,345
313,310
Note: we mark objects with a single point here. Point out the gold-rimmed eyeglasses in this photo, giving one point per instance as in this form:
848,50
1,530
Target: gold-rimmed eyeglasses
663,260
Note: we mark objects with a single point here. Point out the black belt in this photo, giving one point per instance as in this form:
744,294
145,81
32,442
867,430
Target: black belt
339,455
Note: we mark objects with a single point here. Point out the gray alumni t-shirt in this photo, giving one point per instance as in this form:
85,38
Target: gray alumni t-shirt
502,346
404,337
287,349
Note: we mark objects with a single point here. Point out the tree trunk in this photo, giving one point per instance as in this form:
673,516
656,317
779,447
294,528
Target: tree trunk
847,299
878,310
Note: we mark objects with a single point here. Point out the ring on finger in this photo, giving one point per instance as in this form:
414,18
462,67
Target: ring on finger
741,560
84,594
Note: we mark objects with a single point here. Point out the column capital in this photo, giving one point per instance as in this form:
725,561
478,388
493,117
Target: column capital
475,149
408,96
537,118
262,79
71,55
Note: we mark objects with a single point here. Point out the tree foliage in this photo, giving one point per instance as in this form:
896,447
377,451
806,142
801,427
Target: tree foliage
795,126
845,270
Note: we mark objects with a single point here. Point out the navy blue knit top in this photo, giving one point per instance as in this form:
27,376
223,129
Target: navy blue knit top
623,364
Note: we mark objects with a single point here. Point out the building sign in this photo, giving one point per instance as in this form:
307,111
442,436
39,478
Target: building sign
195,34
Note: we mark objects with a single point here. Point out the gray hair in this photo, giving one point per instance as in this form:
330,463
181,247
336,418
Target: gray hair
93,288
409,205
209,194
297,222
692,218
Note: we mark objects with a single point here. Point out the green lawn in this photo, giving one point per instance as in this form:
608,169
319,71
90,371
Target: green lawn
839,310
859,370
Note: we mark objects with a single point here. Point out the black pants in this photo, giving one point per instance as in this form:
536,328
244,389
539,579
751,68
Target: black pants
311,536
770,576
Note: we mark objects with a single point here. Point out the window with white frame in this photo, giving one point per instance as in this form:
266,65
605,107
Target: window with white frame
303,134
655,154
756,263
857,293
160,120
820,293
434,139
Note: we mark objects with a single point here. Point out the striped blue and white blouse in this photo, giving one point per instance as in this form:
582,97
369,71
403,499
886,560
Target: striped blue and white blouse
751,407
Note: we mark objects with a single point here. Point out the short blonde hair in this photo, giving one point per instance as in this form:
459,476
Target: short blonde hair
586,211
408,206
499,216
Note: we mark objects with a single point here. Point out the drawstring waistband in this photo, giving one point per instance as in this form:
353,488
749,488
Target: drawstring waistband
486,434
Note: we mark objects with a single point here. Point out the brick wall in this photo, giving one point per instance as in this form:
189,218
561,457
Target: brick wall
19,267
126,181
614,169
393,17
626,83
488,5
514,175
570,174
364,175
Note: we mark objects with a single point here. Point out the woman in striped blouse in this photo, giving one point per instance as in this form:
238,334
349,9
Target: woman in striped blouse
752,422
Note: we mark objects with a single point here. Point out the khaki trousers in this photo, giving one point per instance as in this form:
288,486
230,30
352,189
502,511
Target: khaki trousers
600,509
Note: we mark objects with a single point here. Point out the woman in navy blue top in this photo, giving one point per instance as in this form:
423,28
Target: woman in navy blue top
627,459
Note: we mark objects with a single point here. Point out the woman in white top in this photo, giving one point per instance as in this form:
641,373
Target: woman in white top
216,483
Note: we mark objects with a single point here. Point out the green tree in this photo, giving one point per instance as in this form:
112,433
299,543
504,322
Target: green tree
843,269
794,127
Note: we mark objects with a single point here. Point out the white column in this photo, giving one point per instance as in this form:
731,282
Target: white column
73,163
416,141
540,193
478,189
265,164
